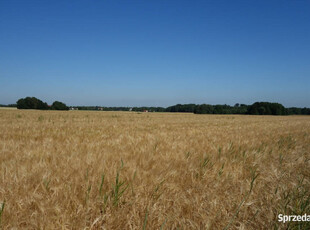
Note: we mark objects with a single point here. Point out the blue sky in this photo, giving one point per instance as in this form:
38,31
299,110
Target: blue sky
155,53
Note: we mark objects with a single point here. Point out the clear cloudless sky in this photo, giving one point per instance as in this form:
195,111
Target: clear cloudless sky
155,52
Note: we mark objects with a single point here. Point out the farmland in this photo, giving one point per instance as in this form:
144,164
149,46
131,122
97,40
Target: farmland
128,170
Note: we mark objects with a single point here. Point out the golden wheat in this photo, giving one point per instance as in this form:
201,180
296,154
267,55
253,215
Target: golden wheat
127,170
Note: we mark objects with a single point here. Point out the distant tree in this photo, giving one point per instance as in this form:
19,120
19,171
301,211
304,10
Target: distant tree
9,105
305,111
31,103
218,109
12,105
21,104
204,109
240,109
267,108
186,108
294,110
57,105
262,110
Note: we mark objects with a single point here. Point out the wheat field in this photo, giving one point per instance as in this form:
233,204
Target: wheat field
128,170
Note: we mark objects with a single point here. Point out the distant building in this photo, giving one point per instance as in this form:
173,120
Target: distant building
146,111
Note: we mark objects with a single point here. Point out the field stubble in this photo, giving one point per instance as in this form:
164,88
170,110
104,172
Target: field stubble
127,170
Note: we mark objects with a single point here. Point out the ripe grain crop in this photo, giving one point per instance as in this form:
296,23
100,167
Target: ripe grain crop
127,170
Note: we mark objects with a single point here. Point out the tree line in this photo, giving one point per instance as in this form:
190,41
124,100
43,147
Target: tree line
257,108
9,105
35,103
136,109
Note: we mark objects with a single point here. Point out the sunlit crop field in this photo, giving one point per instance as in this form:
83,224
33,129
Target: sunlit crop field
128,170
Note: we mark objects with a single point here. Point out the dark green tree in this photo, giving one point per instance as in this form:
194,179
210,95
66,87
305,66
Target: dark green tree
31,103
204,109
57,105
267,108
